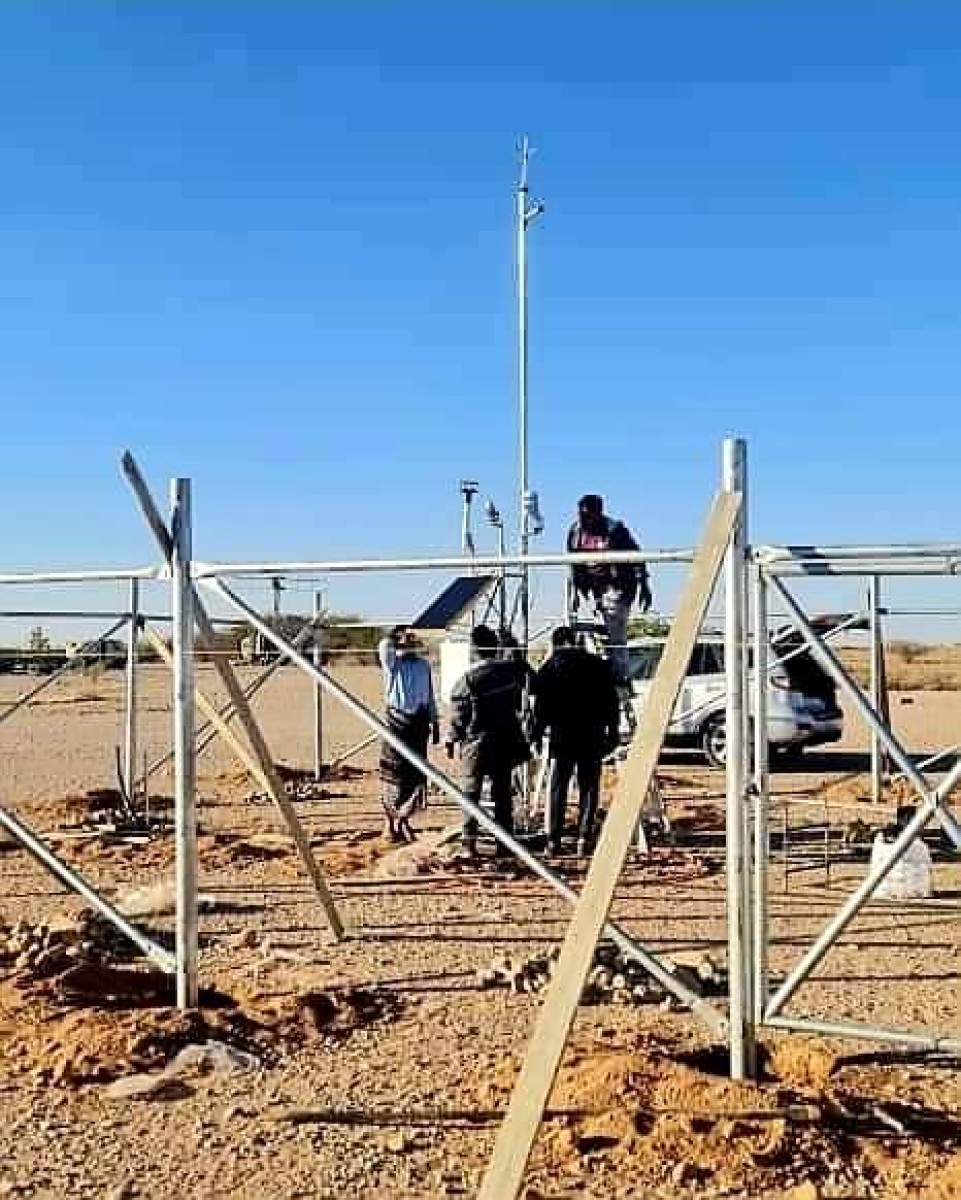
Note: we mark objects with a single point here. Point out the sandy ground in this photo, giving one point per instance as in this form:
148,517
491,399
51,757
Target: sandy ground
400,1092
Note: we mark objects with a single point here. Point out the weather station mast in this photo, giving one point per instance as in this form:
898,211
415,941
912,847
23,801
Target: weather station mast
530,522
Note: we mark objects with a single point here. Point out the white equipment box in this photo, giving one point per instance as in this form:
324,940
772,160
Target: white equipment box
455,661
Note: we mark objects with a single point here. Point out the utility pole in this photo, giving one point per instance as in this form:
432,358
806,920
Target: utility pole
277,586
526,213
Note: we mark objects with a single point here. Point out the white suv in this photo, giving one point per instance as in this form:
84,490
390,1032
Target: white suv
802,701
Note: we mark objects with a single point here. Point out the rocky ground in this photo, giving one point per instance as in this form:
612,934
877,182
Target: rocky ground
380,1067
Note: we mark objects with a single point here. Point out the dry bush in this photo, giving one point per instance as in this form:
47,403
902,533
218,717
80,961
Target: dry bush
856,661
909,652
911,666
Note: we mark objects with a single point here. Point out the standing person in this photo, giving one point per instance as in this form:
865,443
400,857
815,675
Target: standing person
612,587
576,700
485,721
412,716
512,653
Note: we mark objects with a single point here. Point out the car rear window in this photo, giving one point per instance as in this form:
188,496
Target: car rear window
706,659
642,661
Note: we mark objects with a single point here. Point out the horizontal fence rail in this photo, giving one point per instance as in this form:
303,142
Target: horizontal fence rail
460,562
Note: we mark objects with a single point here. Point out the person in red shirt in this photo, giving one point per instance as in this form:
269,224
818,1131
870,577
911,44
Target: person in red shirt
612,586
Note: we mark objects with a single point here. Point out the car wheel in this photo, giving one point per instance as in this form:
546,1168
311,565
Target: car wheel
714,741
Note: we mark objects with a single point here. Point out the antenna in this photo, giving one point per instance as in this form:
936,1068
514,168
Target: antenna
468,490
526,213
277,585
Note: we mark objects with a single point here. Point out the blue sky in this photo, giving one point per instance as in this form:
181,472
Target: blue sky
269,246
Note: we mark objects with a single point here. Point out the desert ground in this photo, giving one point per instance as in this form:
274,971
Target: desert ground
380,1066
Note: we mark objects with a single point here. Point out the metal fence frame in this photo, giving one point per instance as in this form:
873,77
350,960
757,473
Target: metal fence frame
752,576
771,566
15,826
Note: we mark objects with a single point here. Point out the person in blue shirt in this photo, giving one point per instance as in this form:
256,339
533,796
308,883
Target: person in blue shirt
411,714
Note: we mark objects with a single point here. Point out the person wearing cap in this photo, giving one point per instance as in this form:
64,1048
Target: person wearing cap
411,713
486,705
576,703
612,586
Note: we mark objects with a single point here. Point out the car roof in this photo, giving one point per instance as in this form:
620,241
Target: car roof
712,639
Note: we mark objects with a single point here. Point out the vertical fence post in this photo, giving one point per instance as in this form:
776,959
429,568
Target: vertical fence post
318,657
130,722
740,972
185,814
761,684
877,700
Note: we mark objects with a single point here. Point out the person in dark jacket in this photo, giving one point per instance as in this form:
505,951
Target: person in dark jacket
512,652
612,587
485,721
576,701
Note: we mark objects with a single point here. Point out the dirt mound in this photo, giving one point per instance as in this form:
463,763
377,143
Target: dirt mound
665,865
339,854
75,1010
352,853
613,977
946,1183
697,818
344,773
96,807
31,952
301,784
94,1025
221,849
803,1064
154,854
428,853
654,1116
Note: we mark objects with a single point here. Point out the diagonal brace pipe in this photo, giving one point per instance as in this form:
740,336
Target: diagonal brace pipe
829,661
698,1005
243,710
76,883
933,802
69,666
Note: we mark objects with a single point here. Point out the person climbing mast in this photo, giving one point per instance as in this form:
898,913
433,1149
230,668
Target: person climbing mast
613,587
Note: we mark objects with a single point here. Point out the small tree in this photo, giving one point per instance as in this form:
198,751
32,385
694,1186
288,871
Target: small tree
648,627
38,642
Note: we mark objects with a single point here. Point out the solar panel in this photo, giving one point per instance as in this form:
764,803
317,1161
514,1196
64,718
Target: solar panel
454,601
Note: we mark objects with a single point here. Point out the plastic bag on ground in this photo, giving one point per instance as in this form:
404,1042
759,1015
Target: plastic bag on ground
207,1058
214,1058
910,877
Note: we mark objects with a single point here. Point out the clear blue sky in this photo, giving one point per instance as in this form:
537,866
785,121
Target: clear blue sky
269,246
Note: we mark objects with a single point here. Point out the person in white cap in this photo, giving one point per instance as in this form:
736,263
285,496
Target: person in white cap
411,713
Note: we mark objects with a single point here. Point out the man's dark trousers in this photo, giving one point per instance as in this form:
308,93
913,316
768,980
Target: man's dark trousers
565,763
479,765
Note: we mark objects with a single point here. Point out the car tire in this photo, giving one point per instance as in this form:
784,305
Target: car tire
714,741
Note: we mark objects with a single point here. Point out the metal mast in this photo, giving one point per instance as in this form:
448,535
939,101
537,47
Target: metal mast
526,213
